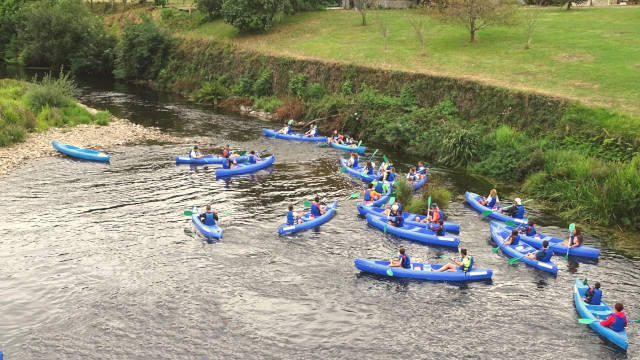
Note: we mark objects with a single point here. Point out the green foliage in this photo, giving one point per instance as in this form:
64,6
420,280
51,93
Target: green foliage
244,86
373,99
210,7
408,96
460,147
53,92
10,12
315,91
262,85
404,191
211,92
252,15
103,118
346,88
297,84
142,51
267,104
439,195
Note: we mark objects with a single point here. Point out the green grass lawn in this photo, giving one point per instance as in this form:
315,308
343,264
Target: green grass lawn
590,54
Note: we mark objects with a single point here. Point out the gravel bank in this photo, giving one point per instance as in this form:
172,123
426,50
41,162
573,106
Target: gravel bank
101,138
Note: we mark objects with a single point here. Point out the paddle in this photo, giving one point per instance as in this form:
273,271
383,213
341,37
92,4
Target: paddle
489,212
372,155
354,195
495,250
572,227
590,321
359,143
515,260
384,157
226,212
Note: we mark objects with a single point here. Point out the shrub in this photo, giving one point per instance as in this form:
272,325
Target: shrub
211,92
291,109
408,96
439,195
346,88
244,86
142,51
403,191
297,84
371,98
262,85
267,104
210,7
103,118
460,147
53,92
252,15
11,134
315,91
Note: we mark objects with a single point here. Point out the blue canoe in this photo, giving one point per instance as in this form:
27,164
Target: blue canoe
365,209
210,232
80,153
246,168
356,149
415,233
295,136
472,199
360,173
598,312
309,222
556,247
499,232
207,160
421,271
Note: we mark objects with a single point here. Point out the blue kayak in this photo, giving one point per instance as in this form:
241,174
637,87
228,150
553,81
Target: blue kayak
356,149
415,233
598,312
421,271
499,232
556,246
295,136
80,153
309,222
472,199
246,168
409,218
210,232
357,171
207,160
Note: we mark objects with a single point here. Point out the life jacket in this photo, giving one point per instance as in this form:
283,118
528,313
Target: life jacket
575,239
398,220
531,230
468,267
391,177
252,159
379,187
436,216
367,196
438,229
421,170
336,136
493,201
226,164
209,220
548,253
597,296
355,162
515,240
315,209
405,262
370,171
620,321
290,219
520,212
288,129
226,152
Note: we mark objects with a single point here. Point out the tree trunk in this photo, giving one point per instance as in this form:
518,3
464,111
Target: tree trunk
568,5
472,33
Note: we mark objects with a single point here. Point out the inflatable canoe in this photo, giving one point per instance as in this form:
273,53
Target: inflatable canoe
207,160
356,149
415,233
210,232
246,168
295,136
499,232
421,271
597,312
556,247
365,209
309,222
472,200
358,171
80,153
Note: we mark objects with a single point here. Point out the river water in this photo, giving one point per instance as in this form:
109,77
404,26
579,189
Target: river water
98,262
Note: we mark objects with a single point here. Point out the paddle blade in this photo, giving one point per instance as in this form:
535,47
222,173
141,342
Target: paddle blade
513,261
444,257
385,229
307,203
227,212
384,157
188,213
585,281
495,250
566,256
389,272
354,195
428,202
359,143
243,152
343,170
324,144
586,321
374,153
510,223
572,227
486,213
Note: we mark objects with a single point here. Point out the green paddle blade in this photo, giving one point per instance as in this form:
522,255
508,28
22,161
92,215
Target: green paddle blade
510,223
307,203
384,157
188,213
243,152
586,321
354,195
566,256
324,144
486,213
391,200
428,202
290,122
444,257
495,250
343,170
359,143
572,227
389,272
227,212
513,260
385,229
585,281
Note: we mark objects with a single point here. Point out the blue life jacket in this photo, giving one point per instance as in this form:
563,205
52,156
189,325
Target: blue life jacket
391,177
355,163
379,187
336,136
367,195
209,219
421,170
515,241
370,171
226,164
405,262
619,323
520,212
492,202
315,210
597,296
531,230
544,255
290,219
397,220
288,129
252,159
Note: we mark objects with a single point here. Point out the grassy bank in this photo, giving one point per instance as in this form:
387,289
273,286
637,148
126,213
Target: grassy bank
588,54
29,107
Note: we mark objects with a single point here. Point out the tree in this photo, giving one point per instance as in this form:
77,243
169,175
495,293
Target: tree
253,15
384,28
530,20
476,15
362,6
210,7
10,12
418,21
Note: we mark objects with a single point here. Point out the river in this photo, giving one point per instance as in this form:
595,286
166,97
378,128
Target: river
98,261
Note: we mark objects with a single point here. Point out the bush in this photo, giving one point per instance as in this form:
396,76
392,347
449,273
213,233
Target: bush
291,109
371,98
460,147
11,134
211,92
210,7
315,91
244,86
262,85
346,88
267,104
52,92
252,15
142,51
403,191
408,96
297,84
103,118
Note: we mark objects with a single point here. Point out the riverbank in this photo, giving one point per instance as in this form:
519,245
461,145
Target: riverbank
103,138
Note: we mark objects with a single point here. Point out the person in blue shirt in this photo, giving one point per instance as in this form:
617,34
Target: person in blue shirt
316,208
516,211
336,137
412,176
402,261
195,153
512,239
396,219
380,186
229,164
368,169
543,254
438,227
353,160
421,170
209,217
313,131
529,229
593,295
391,176
253,158
293,218
286,129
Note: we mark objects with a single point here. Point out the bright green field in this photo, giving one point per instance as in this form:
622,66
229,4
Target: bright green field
590,54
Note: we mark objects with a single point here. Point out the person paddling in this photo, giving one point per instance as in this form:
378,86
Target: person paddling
412,176
516,211
353,160
465,263
369,169
228,163
253,158
312,132
316,208
491,201
370,195
335,137
402,261
209,217
421,170
530,229
543,254
513,239
575,239
286,129
616,321
194,153
593,295
438,227
293,218
396,220
380,186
